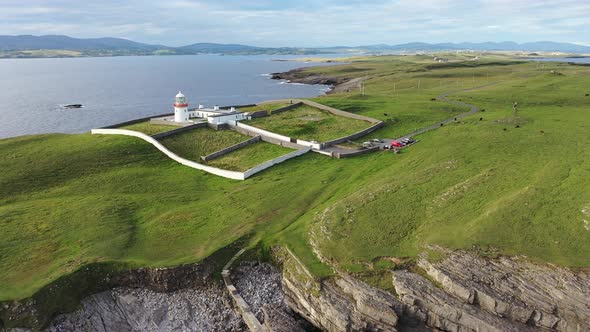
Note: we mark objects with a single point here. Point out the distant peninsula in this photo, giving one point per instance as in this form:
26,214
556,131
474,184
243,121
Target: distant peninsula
58,46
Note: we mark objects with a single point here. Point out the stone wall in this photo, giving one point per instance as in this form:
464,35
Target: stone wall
127,123
179,130
316,146
235,147
286,108
258,114
355,135
253,131
355,153
275,161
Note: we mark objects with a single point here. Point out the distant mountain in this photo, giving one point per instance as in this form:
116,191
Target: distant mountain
17,46
56,42
219,48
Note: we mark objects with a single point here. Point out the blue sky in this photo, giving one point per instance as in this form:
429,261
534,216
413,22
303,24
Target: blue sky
302,22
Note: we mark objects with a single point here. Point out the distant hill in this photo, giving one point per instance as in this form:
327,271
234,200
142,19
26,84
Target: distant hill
219,48
541,46
21,46
57,42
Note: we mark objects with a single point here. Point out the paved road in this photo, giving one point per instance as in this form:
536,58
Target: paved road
444,97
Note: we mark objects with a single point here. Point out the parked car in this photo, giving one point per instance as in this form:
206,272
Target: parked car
396,144
367,144
376,140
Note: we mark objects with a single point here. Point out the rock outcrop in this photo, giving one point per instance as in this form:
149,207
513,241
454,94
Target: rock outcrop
541,296
462,292
126,309
340,304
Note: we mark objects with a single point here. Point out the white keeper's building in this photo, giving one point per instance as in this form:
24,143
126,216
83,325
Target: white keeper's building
216,115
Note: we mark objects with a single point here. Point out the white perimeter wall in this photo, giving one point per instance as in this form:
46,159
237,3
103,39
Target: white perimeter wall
316,146
275,161
262,132
172,155
213,170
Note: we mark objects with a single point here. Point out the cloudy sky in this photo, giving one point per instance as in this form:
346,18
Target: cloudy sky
302,22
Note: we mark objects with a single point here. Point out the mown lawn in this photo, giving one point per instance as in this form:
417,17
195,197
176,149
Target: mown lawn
309,123
148,128
199,142
249,156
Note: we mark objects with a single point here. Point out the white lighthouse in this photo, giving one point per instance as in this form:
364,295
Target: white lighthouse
180,108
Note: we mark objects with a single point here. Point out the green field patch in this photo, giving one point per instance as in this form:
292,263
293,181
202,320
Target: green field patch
309,123
199,142
249,156
263,107
148,128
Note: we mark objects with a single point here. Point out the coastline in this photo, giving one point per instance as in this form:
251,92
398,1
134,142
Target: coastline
336,84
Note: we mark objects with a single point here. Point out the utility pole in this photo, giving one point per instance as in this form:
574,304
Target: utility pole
394,88
419,81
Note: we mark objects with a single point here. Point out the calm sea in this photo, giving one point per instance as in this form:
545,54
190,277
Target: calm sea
33,91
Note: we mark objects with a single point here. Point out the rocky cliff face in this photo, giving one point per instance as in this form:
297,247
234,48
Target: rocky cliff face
462,292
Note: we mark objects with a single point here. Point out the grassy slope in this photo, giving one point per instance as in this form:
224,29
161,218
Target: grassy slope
199,142
519,190
263,107
309,123
249,156
71,199
148,128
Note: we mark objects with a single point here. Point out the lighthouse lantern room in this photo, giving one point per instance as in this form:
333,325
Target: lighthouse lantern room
181,113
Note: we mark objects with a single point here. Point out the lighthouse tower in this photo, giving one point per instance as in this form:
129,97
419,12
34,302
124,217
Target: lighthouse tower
180,108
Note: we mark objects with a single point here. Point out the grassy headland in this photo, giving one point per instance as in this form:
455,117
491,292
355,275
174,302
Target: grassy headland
503,182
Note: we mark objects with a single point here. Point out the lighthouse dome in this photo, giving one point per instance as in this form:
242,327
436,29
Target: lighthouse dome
179,95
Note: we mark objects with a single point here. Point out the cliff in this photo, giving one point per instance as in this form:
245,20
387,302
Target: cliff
462,292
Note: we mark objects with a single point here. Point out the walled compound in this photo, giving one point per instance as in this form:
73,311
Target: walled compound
230,118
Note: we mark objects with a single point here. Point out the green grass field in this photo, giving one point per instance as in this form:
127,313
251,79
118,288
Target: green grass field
249,156
148,128
199,142
70,200
263,107
309,123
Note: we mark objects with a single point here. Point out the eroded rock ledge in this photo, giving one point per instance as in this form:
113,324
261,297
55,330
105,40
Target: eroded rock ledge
338,84
462,292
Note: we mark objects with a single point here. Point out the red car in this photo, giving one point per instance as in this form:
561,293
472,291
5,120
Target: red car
396,144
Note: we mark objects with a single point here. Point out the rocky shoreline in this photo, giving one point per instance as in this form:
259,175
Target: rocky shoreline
337,84
459,291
